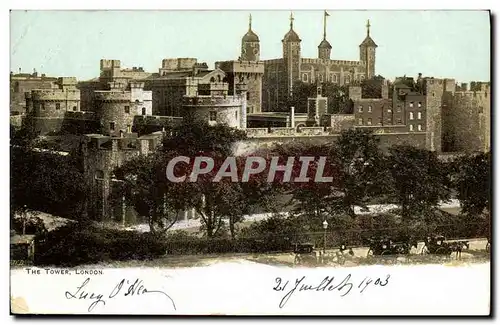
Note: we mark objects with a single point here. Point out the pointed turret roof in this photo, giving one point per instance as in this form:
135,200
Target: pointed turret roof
291,36
250,36
368,41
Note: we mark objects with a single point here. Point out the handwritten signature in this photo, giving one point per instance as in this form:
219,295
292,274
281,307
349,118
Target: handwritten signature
135,288
345,286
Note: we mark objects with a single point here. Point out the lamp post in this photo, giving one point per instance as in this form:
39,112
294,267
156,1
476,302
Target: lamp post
325,225
25,217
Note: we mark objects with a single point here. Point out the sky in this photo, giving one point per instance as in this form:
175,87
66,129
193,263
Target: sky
454,44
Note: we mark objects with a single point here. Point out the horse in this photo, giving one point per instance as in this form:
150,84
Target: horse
458,247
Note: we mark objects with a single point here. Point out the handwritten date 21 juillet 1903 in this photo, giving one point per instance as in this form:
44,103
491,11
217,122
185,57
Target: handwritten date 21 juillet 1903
343,286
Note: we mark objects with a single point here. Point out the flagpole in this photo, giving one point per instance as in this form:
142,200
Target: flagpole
324,24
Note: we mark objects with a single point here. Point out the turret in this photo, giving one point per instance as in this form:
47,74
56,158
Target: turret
324,48
367,51
250,44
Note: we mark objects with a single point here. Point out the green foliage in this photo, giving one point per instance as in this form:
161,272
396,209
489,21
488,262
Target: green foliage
419,180
46,182
78,244
472,181
362,169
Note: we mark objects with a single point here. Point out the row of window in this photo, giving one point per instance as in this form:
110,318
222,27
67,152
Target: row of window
333,78
389,110
419,127
369,122
127,110
58,107
419,115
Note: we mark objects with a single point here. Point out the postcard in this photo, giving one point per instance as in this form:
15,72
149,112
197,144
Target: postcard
250,162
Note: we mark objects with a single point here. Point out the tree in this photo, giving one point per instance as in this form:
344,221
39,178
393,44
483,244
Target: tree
44,180
146,188
372,88
419,180
194,136
472,181
308,198
362,169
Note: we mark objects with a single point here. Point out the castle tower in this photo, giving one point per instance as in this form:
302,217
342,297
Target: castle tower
291,56
367,53
324,48
250,44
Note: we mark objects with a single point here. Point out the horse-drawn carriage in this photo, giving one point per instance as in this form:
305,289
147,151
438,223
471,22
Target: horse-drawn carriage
438,245
305,253
386,246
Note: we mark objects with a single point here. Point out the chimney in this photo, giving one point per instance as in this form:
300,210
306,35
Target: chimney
292,117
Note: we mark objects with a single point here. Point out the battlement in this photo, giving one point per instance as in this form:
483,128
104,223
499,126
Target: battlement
127,142
333,62
67,81
109,64
179,63
241,66
112,95
273,61
471,95
211,101
54,95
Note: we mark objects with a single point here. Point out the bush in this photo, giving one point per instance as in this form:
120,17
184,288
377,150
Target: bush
73,245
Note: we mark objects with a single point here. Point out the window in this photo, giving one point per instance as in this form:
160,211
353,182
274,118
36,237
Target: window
380,120
74,108
369,108
360,121
144,111
411,115
419,115
112,126
411,127
419,104
398,108
236,115
213,116
400,121
360,108
369,122
304,77
419,127
334,78
389,110
320,77
127,109
347,79
248,95
42,106
434,94
411,104
58,106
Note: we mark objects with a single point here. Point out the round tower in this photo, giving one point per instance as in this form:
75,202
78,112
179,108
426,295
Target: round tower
367,51
250,44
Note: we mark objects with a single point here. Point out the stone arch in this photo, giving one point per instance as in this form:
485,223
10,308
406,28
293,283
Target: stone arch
212,79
